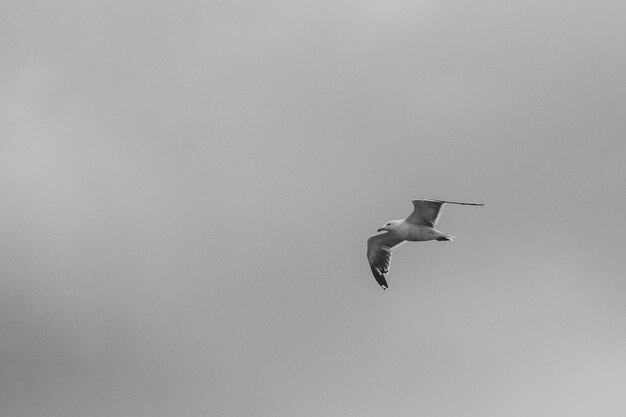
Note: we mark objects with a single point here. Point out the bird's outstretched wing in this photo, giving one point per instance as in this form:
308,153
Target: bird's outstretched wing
426,212
379,254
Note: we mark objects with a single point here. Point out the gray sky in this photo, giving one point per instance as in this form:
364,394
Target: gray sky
187,189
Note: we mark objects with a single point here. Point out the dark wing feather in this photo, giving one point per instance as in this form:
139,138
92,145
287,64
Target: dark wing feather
379,254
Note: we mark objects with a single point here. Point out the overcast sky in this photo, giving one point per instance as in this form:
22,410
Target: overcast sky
188,187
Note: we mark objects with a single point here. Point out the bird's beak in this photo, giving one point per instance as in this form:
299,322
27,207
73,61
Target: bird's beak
381,229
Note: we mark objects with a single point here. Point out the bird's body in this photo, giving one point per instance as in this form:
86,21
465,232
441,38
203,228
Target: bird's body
417,227
417,232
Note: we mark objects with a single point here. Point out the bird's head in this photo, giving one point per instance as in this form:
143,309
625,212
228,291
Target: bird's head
390,225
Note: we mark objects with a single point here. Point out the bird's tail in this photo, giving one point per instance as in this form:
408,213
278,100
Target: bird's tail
446,238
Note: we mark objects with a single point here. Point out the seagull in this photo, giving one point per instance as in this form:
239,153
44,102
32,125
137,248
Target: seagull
418,227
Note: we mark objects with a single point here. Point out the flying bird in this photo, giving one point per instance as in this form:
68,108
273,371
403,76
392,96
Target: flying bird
418,227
